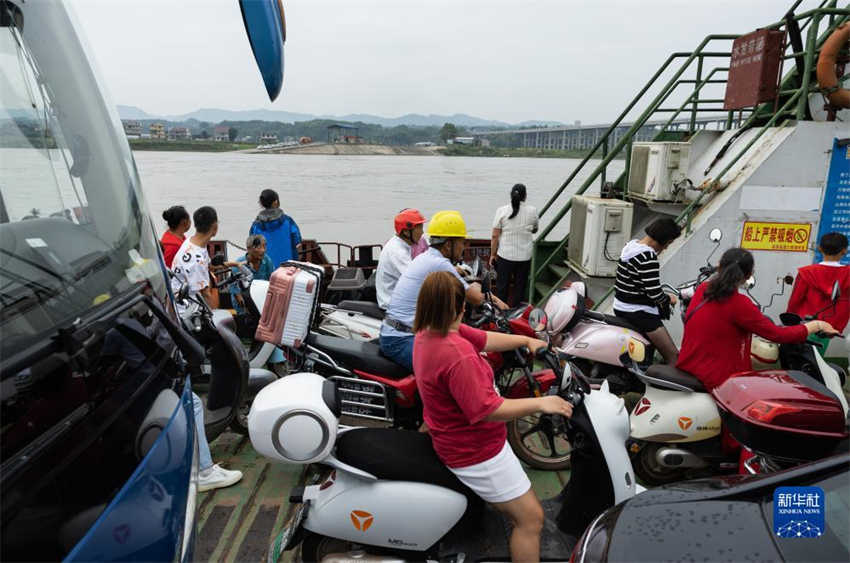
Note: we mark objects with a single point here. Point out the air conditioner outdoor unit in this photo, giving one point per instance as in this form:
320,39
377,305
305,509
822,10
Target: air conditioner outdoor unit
657,168
599,228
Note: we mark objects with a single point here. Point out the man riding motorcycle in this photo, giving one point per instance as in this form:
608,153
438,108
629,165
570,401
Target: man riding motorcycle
397,253
447,235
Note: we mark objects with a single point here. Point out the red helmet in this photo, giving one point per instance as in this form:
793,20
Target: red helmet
407,219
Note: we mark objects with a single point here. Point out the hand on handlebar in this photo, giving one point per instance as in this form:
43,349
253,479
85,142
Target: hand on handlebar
535,345
553,404
821,328
499,303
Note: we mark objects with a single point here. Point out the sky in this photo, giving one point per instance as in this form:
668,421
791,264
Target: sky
560,60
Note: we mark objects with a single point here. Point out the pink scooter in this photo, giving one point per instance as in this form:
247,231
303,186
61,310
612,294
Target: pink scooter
595,341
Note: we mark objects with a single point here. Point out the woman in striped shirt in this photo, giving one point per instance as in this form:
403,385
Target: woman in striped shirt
637,291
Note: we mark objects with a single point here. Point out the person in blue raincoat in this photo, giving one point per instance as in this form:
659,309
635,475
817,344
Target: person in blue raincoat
280,231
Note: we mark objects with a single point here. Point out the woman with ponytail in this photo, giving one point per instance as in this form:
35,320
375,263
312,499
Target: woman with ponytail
178,221
512,244
721,320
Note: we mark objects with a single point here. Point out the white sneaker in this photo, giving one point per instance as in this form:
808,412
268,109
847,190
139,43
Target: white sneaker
217,477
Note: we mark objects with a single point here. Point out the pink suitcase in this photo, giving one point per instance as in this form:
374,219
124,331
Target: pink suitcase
289,307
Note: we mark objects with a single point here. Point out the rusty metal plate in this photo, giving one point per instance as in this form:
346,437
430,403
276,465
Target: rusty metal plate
754,69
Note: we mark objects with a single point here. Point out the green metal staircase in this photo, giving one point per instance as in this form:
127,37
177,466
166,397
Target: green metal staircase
549,269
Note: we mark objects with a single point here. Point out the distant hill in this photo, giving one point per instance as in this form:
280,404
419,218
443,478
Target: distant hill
214,115
132,112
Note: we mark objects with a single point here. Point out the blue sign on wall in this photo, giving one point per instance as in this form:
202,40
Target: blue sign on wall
835,212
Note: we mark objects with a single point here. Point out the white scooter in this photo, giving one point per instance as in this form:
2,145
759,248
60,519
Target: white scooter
385,495
676,426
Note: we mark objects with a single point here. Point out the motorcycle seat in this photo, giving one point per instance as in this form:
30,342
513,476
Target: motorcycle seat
397,455
368,308
663,373
362,356
614,320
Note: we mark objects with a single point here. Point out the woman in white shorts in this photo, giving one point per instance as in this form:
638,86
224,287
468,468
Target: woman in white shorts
464,412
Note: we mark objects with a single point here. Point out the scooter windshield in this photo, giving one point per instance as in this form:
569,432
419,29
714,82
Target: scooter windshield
74,232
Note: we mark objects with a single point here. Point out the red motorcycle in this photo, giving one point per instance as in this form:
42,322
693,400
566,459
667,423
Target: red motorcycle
374,387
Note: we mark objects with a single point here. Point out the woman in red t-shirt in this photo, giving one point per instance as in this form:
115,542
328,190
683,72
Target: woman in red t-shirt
720,321
178,222
464,412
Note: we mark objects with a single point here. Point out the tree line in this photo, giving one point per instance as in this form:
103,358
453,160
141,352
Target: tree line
317,129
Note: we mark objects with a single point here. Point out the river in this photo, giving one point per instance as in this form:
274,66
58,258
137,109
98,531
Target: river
348,198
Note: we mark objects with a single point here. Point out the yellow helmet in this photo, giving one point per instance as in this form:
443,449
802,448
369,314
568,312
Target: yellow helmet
447,224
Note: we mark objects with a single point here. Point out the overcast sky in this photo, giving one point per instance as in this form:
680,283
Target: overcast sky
557,60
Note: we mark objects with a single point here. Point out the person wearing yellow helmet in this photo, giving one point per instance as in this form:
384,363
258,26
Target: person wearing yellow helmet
447,235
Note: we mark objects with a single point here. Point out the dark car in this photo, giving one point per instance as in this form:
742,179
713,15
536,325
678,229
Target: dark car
722,519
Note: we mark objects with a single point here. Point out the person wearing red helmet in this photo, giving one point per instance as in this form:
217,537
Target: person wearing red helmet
396,254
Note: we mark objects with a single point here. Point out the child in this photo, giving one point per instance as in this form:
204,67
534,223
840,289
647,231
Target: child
813,287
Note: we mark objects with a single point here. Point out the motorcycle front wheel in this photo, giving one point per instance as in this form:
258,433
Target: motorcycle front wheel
534,441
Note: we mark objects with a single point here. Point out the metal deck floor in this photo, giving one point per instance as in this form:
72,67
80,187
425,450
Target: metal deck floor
239,523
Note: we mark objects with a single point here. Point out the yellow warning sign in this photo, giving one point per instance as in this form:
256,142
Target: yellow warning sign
783,237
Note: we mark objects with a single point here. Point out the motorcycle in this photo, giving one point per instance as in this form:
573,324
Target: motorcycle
376,388
205,324
355,320
676,426
376,482
595,341
225,366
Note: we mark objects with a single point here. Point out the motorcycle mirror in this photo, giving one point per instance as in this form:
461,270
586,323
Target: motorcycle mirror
715,235
790,319
789,279
537,320
836,292
218,260
751,282
485,282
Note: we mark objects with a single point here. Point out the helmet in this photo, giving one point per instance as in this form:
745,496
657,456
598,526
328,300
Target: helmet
407,219
565,308
447,224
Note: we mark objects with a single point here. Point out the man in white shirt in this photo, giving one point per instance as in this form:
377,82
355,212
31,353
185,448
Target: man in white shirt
397,253
191,266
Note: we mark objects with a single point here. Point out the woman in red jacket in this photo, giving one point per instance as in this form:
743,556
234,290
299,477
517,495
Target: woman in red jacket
720,321
178,222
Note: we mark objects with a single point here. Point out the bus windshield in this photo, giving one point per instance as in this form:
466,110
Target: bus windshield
74,230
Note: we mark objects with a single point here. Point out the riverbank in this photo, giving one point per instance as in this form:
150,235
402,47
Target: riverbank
186,145
501,152
354,150
350,150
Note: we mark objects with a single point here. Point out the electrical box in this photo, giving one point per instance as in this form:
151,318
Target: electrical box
613,220
599,229
658,171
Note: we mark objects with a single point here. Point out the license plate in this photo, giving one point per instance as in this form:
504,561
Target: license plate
287,534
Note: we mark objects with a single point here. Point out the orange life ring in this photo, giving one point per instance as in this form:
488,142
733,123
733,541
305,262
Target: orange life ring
827,78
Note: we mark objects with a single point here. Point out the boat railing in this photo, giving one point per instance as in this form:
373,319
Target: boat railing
793,95
342,255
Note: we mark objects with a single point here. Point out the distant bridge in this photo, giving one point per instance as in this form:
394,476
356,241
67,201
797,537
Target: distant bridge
579,137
